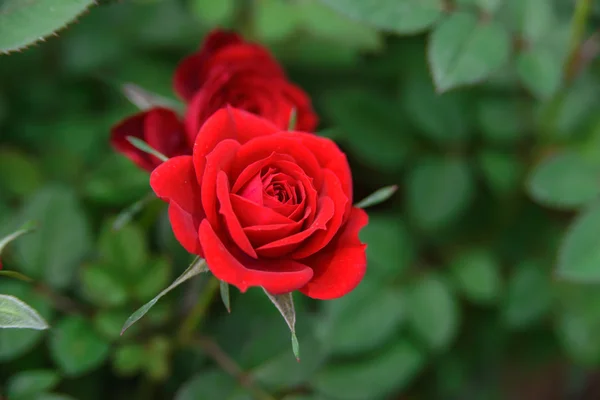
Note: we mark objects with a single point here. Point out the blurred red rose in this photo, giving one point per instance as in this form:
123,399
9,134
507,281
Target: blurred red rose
229,71
266,207
160,128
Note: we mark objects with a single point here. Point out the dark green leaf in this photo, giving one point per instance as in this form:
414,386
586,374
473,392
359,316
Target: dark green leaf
129,359
154,277
501,170
566,181
197,267
76,347
54,251
579,253
405,17
438,191
31,382
19,174
463,51
540,71
207,385
477,275
126,248
392,369
23,23
16,314
433,312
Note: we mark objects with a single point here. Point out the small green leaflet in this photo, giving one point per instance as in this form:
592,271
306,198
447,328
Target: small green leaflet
285,305
145,100
197,267
16,314
225,295
377,197
145,147
28,227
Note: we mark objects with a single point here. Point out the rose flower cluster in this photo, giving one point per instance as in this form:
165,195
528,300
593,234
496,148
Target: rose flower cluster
263,205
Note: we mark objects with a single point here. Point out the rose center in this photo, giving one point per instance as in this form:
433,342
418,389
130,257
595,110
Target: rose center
280,186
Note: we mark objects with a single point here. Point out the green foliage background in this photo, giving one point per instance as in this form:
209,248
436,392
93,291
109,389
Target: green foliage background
483,267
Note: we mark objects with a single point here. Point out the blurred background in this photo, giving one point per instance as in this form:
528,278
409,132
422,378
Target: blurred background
482,267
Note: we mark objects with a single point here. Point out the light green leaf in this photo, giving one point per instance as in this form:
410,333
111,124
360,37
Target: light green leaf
477,275
433,312
540,71
377,197
528,295
16,314
145,100
403,17
285,305
29,383
532,19
579,253
463,51
390,247
275,20
213,13
438,191
390,370
76,347
198,266
145,147
53,252
362,320
224,290
564,181
23,23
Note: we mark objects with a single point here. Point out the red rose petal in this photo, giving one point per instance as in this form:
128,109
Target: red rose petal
340,267
165,133
333,189
175,181
185,228
254,168
276,276
132,126
253,190
260,235
226,210
287,244
227,123
251,214
220,159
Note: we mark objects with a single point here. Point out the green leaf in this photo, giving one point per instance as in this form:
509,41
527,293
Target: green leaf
502,171
285,305
477,275
16,342
102,287
564,181
53,252
532,19
390,247
579,253
438,191
76,347
15,235
19,174
362,320
108,322
145,147
23,23
16,275
274,20
198,266
157,358
463,51
388,371
125,248
528,295
404,17
377,197
224,290
433,312
145,100
356,111
540,71
211,384
16,314
129,359
155,277
127,214
502,120
29,383
213,13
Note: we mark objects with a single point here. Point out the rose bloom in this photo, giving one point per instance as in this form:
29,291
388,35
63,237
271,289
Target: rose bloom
225,71
266,207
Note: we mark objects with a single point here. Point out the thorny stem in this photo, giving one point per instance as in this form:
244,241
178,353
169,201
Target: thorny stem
214,351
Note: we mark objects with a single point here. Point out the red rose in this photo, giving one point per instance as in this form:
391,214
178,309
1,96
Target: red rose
266,207
160,128
229,71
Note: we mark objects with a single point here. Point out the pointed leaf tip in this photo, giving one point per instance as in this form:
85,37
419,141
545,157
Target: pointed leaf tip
225,295
285,305
198,266
377,197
